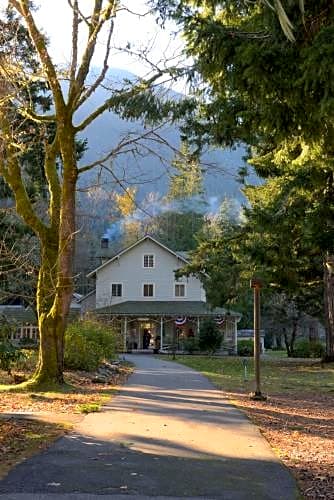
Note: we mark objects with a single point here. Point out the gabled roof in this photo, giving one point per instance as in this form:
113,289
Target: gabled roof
122,252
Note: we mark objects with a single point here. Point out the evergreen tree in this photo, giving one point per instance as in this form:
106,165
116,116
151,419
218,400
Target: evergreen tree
187,181
210,337
260,89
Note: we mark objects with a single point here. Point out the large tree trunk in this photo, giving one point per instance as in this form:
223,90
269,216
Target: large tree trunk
51,319
290,341
55,283
329,306
50,364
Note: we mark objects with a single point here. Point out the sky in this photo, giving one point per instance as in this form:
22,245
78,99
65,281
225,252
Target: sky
54,16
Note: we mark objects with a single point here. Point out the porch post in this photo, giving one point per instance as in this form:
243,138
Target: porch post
125,332
197,326
161,332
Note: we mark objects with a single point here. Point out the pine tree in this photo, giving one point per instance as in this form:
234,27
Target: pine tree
274,95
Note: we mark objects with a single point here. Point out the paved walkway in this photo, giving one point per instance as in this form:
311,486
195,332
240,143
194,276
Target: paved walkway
167,434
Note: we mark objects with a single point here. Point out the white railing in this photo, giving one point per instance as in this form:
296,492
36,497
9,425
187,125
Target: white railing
25,332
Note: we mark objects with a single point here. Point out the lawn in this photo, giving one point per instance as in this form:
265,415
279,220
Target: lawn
297,417
278,375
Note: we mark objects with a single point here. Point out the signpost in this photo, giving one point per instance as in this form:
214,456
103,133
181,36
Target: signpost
256,284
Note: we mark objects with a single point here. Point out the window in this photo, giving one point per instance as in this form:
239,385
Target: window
149,260
116,289
180,290
148,290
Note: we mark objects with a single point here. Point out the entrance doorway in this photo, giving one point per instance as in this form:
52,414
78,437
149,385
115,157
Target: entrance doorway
147,331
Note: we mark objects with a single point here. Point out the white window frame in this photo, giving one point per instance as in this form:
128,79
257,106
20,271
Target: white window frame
148,296
122,290
148,255
178,283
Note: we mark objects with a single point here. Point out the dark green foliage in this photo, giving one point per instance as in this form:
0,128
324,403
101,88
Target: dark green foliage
190,345
218,262
88,344
9,355
177,227
245,348
178,230
210,337
260,89
306,349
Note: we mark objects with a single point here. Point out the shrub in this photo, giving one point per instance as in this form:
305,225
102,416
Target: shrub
305,349
88,344
28,361
246,347
210,337
190,345
9,355
317,349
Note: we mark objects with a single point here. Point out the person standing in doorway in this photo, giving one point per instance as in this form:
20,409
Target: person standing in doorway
146,338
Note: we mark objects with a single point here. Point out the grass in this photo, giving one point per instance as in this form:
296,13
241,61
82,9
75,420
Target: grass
278,375
276,354
297,416
89,408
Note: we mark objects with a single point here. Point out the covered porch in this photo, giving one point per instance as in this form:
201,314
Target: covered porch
159,326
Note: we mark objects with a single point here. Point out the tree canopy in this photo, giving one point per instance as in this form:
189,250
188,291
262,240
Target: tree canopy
58,128
259,89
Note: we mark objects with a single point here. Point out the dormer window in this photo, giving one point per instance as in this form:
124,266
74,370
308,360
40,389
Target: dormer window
148,260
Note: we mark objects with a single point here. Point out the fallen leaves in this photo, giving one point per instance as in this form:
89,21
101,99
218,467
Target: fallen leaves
82,392
300,429
20,438
48,414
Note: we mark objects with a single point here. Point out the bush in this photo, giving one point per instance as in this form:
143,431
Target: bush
88,344
246,347
28,362
9,355
305,349
210,337
190,345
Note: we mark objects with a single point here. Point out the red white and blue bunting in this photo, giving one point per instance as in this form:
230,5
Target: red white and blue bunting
220,320
180,320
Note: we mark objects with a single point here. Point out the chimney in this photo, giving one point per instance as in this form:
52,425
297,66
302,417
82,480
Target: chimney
104,242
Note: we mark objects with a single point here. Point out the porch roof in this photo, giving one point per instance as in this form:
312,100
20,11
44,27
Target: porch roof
18,314
163,308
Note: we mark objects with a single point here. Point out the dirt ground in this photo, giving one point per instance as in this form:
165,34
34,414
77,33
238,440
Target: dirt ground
300,428
31,421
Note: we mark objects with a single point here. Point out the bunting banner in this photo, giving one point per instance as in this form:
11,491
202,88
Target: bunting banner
220,320
180,320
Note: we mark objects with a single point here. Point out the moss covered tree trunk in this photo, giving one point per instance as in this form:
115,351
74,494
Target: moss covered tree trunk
55,284
56,229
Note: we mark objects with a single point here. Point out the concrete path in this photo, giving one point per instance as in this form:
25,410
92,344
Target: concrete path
167,434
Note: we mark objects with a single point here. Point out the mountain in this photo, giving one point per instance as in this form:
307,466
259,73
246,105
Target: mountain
150,172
